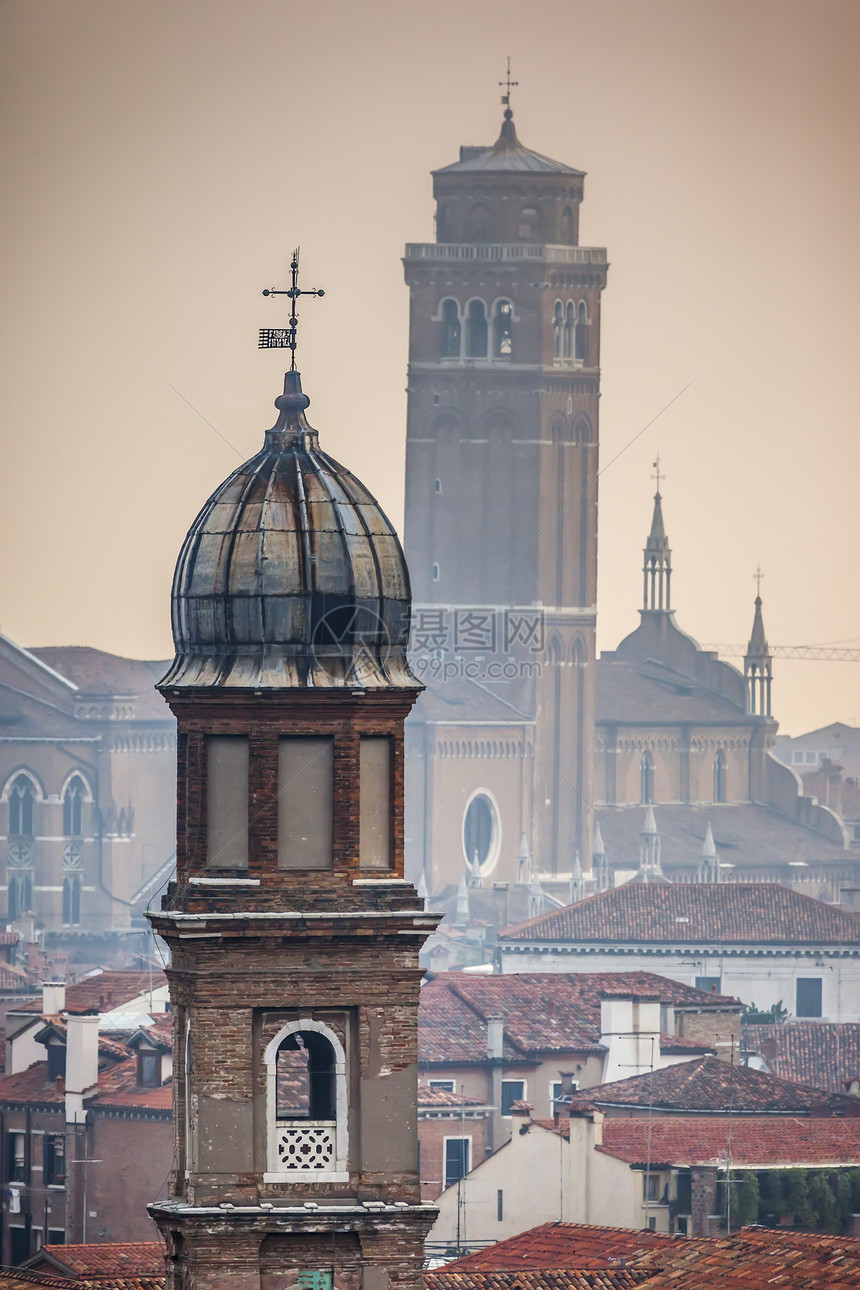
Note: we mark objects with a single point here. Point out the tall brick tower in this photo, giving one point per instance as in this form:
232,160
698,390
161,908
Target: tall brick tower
501,511
294,936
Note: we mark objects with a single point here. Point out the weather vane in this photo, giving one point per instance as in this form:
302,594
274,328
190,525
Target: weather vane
285,337
657,473
508,84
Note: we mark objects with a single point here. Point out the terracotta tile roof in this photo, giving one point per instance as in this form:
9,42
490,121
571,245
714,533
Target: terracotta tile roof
668,1140
812,1052
439,1097
560,1245
708,1084
752,1260
117,1089
112,1259
694,913
104,991
542,1011
611,1278
801,1262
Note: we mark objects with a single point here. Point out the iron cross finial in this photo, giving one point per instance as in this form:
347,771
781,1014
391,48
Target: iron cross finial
657,473
758,575
508,84
285,337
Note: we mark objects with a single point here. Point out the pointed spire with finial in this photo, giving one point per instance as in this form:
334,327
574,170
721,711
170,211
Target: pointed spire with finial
758,666
462,915
657,567
524,861
599,860
650,868
709,867
576,883
421,890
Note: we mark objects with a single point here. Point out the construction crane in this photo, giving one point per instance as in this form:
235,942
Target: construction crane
830,653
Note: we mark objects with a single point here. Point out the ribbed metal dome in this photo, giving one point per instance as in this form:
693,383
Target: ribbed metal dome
291,575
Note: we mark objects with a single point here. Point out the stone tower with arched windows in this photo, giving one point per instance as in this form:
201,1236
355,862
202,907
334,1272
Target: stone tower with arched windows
294,936
501,517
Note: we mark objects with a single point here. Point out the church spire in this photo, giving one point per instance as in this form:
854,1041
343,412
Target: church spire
657,566
757,661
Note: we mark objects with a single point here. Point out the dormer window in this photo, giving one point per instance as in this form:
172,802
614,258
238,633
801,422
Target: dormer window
148,1068
56,1060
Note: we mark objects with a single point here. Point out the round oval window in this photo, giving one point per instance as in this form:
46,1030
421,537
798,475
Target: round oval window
481,832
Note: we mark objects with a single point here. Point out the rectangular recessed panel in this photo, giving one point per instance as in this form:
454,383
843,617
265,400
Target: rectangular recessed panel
375,841
227,802
305,792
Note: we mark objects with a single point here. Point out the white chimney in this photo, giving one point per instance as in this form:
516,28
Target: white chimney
53,998
82,1064
495,1037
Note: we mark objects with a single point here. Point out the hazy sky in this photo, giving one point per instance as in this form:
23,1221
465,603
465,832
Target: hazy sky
161,159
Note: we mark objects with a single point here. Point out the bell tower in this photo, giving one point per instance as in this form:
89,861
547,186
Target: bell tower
501,472
294,936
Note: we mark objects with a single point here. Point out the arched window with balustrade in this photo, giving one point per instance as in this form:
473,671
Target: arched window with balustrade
450,316
581,353
503,329
558,329
569,329
476,329
306,1104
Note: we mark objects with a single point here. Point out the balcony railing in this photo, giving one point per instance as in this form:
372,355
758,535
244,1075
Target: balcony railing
305,1148
500,251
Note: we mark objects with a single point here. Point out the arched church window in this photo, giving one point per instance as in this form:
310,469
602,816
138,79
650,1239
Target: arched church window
20,895
71,902
73,802
581,333
306,1103
528,227
646,779
450,329
502,333
558,329
568,226
569,329
476,330
719,776
21,799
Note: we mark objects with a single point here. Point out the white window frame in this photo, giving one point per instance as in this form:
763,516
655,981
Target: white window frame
523,1097
446,1085
340,1173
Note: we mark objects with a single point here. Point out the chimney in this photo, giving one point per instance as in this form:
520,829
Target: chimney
53,998
495,1038
82,1064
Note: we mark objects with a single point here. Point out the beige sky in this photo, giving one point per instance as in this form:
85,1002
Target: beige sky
160,160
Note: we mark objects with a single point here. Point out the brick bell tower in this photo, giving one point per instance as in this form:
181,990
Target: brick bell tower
293,934
501,474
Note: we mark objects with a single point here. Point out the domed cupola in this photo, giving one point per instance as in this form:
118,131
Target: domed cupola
291,575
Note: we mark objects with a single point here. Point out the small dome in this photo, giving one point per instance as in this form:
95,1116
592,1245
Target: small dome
291,575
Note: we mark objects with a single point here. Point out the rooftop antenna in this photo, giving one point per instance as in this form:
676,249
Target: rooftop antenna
285,337
509,85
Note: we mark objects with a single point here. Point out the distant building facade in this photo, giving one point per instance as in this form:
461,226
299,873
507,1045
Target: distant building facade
87,797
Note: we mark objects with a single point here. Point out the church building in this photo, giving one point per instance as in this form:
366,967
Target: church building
294,936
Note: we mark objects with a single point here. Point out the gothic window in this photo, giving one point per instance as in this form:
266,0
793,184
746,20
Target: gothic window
21,799
581,333
73,801
569,329
528,228
450,329
502,336
306,1103
557,329
20,895
71,901
646,779
719,776
476,330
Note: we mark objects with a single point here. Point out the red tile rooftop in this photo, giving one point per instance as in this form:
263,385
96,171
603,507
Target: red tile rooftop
685,913
442,1097
111,1259
754,1141
813,1052
559,1245
708,1084
542,1011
